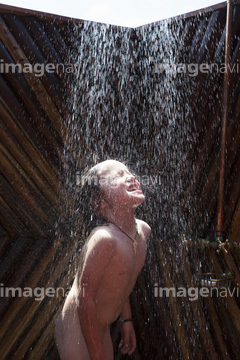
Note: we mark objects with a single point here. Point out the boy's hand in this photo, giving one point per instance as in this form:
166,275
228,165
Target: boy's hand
128,342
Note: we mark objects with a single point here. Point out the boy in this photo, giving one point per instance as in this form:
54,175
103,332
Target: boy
112,258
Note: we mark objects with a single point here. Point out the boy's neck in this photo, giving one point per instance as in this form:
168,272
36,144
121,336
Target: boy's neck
125,220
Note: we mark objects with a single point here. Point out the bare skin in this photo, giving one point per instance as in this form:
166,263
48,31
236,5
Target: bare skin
107,274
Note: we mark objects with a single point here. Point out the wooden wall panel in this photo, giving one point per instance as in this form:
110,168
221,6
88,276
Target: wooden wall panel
116,105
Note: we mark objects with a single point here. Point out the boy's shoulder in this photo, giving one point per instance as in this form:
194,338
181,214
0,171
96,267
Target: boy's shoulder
145,227
103,234
103,229
101,243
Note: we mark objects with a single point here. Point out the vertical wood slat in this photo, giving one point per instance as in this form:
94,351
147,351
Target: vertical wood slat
232,265
148,347
4,245
21,270
201,58
38,88
50,308
206,259
182,316
214,316
52,45
217,329
29,309
22,136
18,214
8,220
22,184
44,99
159,305
27,163
232,306
234,231
44,140
37,53
197,310
225,307
178,321
57,113
179,280
19,304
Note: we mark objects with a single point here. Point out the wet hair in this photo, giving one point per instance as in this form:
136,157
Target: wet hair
87,200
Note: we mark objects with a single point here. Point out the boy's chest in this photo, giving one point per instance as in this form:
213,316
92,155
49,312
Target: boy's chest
127,262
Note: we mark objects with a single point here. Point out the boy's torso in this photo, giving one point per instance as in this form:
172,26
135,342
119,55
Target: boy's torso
118,279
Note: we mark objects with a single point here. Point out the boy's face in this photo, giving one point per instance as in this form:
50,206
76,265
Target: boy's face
118,185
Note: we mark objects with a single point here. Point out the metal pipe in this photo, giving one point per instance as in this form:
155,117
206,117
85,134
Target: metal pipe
215,245
224,120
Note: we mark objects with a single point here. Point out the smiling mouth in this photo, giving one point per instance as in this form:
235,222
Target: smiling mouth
135,189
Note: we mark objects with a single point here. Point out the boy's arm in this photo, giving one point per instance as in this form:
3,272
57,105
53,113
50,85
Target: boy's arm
126,312
128,342
92,272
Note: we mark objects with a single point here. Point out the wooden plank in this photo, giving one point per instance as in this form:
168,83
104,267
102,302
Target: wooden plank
142,311
53,42
32,40
35,83
25,188
38,317
54,309
196,261
198,312
38,89
8,220
178,321
192,310
29,114
14,273
4,245
26,163
210,263
232,265
22,136
11,315
159,305
214,316
232,197
232,306
20,317
16,215
3,233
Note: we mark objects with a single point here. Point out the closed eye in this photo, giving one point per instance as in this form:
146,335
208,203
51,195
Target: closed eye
118,174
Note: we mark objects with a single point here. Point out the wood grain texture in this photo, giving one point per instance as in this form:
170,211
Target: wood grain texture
114,103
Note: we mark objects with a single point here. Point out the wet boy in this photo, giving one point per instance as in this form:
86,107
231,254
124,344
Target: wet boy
112,258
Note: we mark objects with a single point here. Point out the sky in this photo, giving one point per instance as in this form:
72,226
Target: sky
130,13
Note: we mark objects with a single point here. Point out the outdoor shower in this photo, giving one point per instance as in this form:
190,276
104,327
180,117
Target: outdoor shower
167,125
212,279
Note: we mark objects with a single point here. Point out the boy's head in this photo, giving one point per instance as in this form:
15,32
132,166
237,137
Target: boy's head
108,186
118,187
